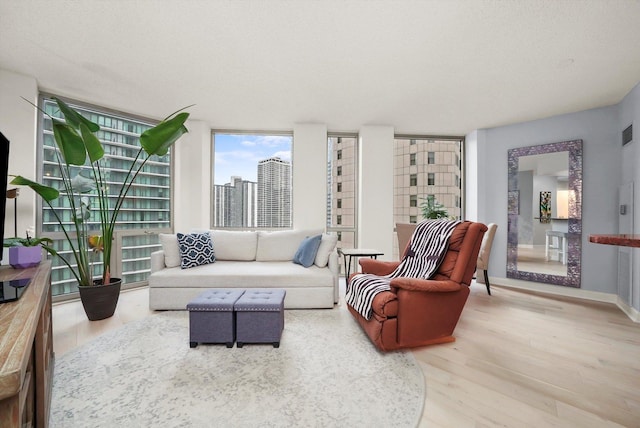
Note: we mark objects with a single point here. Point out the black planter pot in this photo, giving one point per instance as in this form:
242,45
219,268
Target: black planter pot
100,301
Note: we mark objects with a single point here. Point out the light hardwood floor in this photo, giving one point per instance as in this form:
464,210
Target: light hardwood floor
520,360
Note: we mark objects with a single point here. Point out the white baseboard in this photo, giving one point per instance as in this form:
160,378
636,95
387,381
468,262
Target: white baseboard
631,312
578,293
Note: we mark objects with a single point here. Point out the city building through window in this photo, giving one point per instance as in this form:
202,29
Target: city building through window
341,187
251,180
426,167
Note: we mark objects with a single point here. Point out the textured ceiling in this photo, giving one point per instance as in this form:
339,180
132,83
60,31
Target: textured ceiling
438,67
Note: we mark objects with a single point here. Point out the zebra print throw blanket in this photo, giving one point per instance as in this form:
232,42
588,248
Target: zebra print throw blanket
429,244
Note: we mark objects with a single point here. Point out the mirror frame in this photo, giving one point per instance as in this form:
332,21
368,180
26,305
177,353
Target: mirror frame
574,252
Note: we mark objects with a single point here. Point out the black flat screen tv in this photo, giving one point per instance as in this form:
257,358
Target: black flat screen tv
4,174
10,291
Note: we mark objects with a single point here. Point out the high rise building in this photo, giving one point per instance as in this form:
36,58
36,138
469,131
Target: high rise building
426,168
341,176
274,193
235,204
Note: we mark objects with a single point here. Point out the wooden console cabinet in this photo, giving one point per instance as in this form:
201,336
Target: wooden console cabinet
26,350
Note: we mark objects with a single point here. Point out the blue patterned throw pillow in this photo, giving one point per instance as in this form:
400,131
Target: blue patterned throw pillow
196,249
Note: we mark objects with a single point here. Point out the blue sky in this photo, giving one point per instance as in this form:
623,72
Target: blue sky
238,154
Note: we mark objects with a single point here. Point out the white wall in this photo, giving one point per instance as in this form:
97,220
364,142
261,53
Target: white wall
630,159
192,192
471,176
309,162
375,209
475,179
598,128
18,124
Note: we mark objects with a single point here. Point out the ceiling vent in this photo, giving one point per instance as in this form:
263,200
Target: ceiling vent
627,135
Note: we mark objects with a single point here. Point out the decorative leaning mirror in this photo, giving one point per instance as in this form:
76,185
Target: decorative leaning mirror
545,213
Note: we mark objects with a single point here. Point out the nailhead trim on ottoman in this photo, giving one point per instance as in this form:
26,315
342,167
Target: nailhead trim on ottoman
260,316
211,317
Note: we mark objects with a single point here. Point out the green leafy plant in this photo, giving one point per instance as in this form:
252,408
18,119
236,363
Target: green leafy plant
432,209
27,242
85,187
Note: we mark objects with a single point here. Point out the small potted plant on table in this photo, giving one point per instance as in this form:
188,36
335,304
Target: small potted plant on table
25,252
82,178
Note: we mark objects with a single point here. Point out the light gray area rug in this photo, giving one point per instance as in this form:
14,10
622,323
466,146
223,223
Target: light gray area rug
326,373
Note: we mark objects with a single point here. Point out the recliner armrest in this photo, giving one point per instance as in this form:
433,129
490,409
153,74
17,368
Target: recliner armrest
430,285
385,305
377,267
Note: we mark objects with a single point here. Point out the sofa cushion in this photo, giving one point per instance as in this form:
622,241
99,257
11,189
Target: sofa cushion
234,274
327,245
306,253
196,249
281,246
171,250
235,244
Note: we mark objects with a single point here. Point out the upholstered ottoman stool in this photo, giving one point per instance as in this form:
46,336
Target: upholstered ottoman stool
260,316
211,318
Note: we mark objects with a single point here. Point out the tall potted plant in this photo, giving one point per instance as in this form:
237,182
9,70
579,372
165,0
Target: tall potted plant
85,189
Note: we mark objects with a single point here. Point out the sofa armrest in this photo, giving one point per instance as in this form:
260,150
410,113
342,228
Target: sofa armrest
157,261
429,285
334,267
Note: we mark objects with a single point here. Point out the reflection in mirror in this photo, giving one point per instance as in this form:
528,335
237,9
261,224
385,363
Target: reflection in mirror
544,209
543,221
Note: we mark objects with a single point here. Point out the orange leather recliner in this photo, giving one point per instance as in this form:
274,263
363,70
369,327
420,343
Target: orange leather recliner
417,311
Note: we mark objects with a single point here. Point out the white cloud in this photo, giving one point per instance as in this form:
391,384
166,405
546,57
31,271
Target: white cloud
237,156
284,155
273,140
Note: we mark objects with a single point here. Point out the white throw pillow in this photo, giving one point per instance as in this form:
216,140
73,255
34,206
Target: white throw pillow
235,244
281,246
327,245
171,249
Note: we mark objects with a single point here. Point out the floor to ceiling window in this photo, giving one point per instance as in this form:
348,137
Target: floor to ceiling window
427,176
251,180
341,187
146,210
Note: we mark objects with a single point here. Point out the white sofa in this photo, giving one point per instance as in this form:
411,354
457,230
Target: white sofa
247,259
